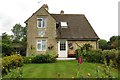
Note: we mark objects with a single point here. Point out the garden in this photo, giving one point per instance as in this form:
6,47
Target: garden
100,63
94,65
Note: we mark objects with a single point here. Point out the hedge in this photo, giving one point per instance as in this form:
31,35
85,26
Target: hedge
48,57
99,56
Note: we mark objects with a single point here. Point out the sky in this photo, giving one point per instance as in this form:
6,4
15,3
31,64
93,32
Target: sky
101,14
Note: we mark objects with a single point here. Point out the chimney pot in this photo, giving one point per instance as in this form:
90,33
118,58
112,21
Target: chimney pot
61,12
46,6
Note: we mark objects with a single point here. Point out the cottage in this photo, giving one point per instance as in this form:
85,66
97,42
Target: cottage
59,32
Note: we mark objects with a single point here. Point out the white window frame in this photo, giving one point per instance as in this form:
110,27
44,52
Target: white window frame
40,42
64,24
43,20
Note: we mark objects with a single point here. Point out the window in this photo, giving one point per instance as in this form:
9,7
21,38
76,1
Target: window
41,45
41,33
41,22
64,24
62,45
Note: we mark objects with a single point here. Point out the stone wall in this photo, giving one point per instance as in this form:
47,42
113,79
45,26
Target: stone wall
32,32
73,45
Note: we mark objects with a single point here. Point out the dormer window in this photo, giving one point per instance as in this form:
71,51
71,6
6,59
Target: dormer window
41,22
64,25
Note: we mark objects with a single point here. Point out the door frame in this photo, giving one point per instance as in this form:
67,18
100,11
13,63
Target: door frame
66,50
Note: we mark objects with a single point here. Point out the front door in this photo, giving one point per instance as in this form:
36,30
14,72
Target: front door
62,48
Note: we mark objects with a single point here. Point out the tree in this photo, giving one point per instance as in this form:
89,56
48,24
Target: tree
19,38
102,43
7,48
18,33
115,42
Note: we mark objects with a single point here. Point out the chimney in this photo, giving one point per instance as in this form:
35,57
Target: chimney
46,6
61,12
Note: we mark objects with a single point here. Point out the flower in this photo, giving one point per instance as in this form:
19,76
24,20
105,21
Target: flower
88,74
98,66
73,77
30,59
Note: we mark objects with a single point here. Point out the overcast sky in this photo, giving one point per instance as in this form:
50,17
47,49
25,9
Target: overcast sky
102,14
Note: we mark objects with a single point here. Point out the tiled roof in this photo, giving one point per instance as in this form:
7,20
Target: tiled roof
78,27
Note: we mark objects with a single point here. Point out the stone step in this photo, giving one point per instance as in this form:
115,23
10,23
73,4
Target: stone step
66,58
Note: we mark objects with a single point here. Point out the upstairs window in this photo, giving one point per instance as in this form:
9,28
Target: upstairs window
64,25
41,22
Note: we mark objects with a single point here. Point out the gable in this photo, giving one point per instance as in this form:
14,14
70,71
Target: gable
40,12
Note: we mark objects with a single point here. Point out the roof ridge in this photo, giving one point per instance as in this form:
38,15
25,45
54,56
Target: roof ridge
64,14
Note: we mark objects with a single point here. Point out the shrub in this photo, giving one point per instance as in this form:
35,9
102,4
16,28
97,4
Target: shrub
78,53
87,47
15,74
44,58
98,56
49,57
83,50
92,55
10,62
27,60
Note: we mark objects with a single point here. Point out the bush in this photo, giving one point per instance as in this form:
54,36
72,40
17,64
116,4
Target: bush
93,56
28,60
48,57
83,50
98,56
10,62
44,58
78,53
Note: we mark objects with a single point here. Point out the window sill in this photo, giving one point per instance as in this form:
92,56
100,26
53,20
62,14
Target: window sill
40,37
41,27
41,50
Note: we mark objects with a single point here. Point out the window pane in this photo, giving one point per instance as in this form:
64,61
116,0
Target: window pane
39,22
43,22
64,24
39,19
62,45
43,44
39,46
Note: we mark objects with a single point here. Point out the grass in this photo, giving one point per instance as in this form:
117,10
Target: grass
66,69
62,69
0,66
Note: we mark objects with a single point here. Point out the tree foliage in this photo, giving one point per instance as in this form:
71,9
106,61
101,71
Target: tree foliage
113,43
6,44
20,38
19,33
102,43
16,42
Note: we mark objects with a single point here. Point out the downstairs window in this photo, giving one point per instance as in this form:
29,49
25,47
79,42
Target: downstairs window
41,45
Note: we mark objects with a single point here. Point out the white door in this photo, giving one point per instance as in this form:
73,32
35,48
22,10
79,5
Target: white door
62,48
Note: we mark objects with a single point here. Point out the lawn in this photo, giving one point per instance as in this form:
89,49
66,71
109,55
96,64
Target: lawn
63,69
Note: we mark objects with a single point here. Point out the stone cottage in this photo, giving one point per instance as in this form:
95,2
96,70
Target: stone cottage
61,33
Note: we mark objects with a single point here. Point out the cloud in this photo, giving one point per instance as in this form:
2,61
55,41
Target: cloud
101,14
5,23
